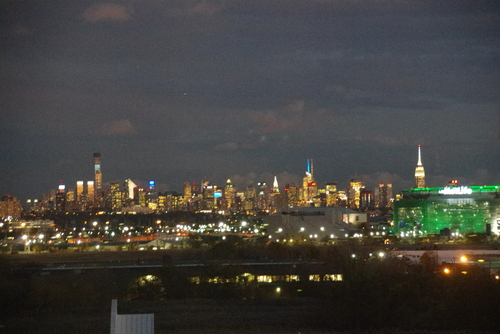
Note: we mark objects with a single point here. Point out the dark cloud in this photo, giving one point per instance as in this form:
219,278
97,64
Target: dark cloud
121,127
176,90
106,12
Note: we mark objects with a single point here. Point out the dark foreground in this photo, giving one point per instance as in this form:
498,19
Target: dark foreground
197,316
377,295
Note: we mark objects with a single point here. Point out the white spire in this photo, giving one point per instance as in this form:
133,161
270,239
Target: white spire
275,185
419,163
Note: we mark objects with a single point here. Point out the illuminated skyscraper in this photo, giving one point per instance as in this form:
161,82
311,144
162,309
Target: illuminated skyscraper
97,173
115,196
354,194
366,200
79,190
249,199
90,190
309,186
129,187
292,195
331,194
152,195
262,197
229,195
61,198
277,202
419,172
276,189
187,190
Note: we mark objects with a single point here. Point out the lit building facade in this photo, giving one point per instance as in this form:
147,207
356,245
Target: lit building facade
448,210
229,196
354,193
262,197
10,207
249,199
115,196
292,195
61,198
90,190
331,194
79,190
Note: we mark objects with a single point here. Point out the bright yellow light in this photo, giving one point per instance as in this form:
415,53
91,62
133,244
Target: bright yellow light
446,270
464,272
278,290
463,259
480,260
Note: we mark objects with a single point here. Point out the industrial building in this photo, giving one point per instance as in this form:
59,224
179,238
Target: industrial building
314,223
454,211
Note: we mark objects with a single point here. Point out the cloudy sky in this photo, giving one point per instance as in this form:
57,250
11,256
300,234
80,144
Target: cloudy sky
178,90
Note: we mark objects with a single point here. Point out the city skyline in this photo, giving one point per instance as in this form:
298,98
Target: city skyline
308,180
175,91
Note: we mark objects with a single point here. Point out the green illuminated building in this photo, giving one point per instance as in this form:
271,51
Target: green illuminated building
448,211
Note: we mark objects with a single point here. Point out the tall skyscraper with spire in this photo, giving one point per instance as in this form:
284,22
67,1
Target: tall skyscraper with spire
276,189
309,186
419,172
277,202
97,173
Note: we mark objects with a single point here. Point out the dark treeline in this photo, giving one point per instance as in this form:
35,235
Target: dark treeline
376,292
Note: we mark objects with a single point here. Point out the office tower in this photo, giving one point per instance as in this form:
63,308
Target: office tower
331,194
79,190
366,200
97,173
229,195
152,196
249,199
195,188
262,198
140,196
115,196
187,190
208,192
10,207
61,198
239,201
162,201
90,190
129,187
354,193
383,196
419,172
292,195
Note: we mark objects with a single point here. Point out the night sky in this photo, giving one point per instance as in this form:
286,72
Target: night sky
174,91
